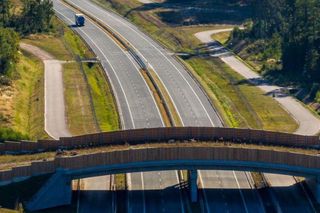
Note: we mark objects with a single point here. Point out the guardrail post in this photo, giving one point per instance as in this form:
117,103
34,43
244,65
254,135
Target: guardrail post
193,186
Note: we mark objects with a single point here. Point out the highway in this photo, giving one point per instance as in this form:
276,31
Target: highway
136,104
96,193
190,102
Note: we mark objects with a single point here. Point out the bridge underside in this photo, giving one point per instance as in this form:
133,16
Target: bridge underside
60,182
194,165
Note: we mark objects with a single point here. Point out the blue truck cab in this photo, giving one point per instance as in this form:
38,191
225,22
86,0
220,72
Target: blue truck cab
79,19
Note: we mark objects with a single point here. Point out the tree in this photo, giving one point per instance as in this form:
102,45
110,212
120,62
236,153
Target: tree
36,16
9,46
5,15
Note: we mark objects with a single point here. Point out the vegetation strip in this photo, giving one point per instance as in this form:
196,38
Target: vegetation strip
161,105
10,161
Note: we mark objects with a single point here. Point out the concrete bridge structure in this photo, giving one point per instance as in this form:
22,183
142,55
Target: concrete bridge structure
140,136
166,149
161,156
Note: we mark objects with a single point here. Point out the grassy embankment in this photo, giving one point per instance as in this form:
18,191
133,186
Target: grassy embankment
222,37
89,102
79,83
22,103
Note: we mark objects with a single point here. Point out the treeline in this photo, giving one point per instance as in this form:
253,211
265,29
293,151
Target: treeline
34,17
294,25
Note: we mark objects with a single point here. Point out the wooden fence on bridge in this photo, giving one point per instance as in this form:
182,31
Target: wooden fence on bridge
168,152
140,136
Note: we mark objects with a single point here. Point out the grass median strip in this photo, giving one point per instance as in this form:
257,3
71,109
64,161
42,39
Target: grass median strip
157,98
167,99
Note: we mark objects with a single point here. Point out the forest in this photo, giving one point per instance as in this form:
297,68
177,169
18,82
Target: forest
34,16
291,29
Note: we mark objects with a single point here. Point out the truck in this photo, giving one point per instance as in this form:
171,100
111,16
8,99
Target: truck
79,19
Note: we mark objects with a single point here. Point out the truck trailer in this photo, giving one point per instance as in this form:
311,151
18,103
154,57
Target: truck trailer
79,19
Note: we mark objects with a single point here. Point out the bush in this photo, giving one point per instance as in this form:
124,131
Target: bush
9,46
7,134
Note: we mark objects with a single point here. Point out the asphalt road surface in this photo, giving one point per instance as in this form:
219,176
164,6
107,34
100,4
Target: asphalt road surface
290,195
54,116
96,192
136,103
190,101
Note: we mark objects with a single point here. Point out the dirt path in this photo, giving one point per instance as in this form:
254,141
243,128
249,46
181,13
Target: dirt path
309,124
146,1
55,121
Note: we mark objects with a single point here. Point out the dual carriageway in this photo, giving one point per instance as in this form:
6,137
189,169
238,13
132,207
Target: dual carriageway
138,109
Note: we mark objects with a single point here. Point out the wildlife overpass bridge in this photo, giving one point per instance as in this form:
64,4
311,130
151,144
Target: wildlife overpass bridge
189,148
161,156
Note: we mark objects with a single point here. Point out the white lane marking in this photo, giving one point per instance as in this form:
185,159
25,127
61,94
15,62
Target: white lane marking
79,194
146,61
308,197
138,33
143,195
167,91
206,203
241,194
200,177
154,101
180,197
125,96
129,184
136,70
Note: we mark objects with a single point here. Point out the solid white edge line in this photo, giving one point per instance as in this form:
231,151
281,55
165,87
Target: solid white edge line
180,197
206,203
241,194
136,51
140,35
128,105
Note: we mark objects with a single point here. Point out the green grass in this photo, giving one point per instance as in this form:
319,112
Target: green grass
80,117
103,101
242,104
222,37
90,106
94,90
177,39
51,44
28,111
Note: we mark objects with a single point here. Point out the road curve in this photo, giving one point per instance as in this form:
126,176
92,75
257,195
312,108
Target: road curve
55,120
190,101
136,105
